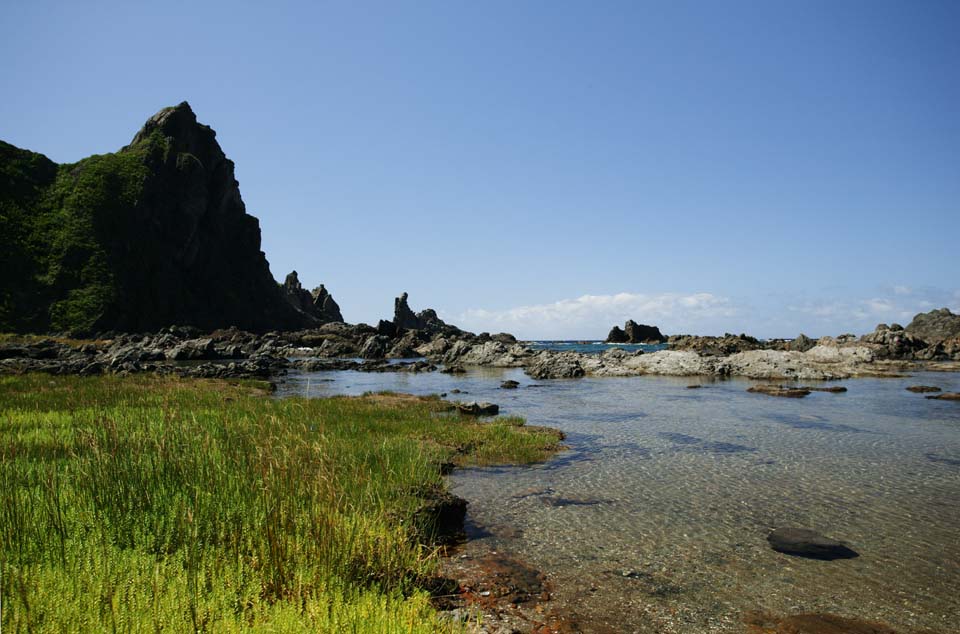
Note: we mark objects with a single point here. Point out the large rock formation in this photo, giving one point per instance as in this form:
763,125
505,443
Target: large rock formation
318,304
405,319
635,333
935,326
153,235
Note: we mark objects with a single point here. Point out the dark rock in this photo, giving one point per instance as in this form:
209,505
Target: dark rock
778,390
403,317
324,306
473,408
375,347
935,326
922,389
804,542
510,385
317,307
640,333
386,328
504,337
617,335
453,369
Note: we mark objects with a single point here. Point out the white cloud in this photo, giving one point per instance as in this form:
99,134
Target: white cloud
591,316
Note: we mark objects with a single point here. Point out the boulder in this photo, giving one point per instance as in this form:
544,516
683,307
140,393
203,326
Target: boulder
510,385
474,408
804,542
557,366
801,344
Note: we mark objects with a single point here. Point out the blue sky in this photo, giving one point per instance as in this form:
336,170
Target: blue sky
547,168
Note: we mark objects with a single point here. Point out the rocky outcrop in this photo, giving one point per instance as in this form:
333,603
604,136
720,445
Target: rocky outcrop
617,335
935,326
152,235
317,307
893,342
727,344
635,333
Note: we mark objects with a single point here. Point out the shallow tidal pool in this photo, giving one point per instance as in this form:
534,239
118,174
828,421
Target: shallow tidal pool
655,519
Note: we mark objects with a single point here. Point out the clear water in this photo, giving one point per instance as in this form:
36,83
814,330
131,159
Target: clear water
593,347
655,519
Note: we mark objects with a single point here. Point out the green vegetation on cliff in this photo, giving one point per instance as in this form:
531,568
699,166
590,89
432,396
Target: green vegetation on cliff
148,504
57,223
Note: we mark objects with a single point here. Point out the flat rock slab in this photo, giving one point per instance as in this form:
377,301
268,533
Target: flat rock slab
803,542
777,390
921,389
946,396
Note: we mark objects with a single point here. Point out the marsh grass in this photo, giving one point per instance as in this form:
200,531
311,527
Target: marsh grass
148,504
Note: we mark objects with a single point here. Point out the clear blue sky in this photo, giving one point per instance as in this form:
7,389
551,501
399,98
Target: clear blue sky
547,168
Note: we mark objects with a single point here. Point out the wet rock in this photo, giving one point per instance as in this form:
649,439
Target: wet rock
474,408
453,369
804,542
778,390
510,385
946,396
922,389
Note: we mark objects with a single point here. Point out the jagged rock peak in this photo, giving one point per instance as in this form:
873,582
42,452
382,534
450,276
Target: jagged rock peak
318,305
404,318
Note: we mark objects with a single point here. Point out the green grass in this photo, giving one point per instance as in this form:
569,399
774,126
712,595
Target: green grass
150,504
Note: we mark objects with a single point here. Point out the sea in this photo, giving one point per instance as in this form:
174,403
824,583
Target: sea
593,347
655,517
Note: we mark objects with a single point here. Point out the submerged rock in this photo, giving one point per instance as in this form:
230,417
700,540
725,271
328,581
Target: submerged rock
779,390
804,542
510,385
946,396
922,389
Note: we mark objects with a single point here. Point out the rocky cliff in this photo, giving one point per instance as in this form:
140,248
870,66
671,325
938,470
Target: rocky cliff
152,235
